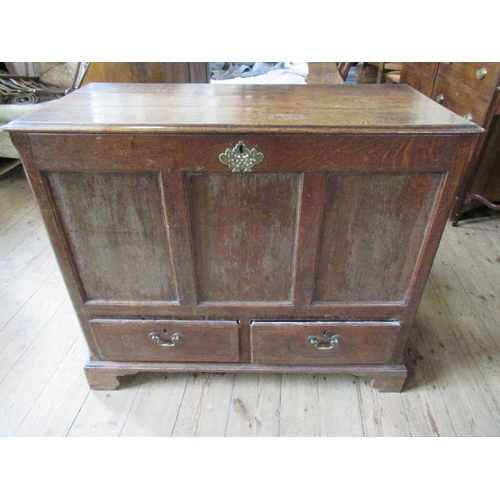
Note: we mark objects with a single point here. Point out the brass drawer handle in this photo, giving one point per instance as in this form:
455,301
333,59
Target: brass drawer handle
439,98
173,339
323,346
481,73
241,158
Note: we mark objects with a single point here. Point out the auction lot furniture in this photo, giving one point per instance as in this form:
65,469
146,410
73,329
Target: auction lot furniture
470,89
265,228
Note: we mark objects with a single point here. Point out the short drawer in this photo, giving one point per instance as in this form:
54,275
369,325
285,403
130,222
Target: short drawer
482,77
166,340
457,98
325,343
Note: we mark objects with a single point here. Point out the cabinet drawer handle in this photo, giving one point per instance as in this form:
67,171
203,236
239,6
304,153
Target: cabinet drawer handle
173,339
439,98
481,73
468,116
323,346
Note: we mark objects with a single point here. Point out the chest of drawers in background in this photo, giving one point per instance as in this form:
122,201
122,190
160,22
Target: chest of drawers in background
266,228
469,89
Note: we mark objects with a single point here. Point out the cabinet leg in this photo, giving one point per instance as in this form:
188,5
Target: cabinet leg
102,379
392,381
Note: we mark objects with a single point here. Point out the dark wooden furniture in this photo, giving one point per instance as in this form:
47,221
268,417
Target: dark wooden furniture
245,228
326,73
148,72
470,89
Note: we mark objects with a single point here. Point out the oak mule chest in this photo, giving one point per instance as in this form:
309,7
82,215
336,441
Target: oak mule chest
260,228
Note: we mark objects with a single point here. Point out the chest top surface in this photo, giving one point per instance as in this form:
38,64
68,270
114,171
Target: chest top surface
205,108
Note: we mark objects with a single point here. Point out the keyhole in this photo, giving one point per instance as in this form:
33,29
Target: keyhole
241,148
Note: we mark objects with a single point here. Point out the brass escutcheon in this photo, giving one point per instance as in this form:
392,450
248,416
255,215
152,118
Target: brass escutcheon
241,158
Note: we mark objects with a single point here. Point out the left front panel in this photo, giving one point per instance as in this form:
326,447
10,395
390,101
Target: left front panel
115,226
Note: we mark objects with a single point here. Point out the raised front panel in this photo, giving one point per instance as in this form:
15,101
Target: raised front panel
325,343
244,230
166,340
114,224
373,231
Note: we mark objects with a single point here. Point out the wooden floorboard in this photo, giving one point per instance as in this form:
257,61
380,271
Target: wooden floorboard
453,388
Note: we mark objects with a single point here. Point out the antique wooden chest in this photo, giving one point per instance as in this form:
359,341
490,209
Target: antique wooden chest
230,228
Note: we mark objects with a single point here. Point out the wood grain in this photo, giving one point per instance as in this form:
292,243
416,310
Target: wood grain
200,152
243,230
370,221
452,389
345,211
288,343
175,202
286,108
311,209
148,72
460,99
112,225
420,76
465,73
129,340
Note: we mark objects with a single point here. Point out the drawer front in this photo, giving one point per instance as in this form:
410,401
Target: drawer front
482,77
457,98
325,343
418,79
169,340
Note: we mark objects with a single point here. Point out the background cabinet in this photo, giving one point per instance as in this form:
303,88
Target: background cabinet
470,89
148,72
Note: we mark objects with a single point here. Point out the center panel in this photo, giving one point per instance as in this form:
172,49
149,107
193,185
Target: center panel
244,229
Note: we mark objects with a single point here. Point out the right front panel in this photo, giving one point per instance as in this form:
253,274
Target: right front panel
373,231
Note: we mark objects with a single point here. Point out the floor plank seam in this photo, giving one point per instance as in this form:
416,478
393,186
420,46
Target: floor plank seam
77,414
319,407
466,354
188,376
405,406
33,339
437,385
47,383
280,406
463,353
361,406
6,228
478,313
15,248
139,385
28,299
21,271
230,405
